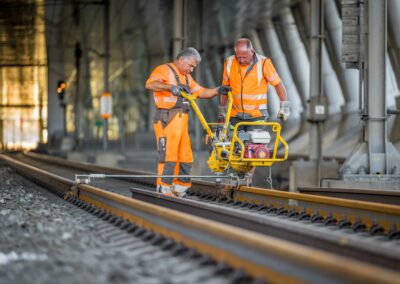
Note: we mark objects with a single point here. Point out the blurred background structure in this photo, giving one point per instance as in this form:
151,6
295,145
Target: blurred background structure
59,57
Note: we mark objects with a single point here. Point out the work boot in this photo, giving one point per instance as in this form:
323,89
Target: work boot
179,190
165,190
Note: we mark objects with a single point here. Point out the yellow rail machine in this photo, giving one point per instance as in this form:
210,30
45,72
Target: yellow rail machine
240,151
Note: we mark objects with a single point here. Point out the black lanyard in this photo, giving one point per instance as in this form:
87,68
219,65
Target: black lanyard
177,77
180,99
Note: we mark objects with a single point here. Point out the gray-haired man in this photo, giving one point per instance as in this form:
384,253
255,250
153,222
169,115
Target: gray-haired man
171,120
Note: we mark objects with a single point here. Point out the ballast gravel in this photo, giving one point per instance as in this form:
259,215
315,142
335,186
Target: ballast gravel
43,241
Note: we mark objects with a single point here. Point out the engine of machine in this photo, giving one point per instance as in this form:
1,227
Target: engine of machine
256,144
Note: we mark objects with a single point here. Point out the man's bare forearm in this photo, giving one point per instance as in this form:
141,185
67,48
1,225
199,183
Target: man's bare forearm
281,91
208,93
157,86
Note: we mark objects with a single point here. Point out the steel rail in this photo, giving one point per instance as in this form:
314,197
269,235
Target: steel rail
371,216
375,195
261,256
319,237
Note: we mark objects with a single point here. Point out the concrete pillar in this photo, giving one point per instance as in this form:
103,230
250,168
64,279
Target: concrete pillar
55,59
275,52
106,75
330,83
297,56
394,35
316,87
179,28
376,74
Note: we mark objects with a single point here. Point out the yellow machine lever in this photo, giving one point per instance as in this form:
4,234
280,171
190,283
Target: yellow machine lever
228,113
196,109
203,121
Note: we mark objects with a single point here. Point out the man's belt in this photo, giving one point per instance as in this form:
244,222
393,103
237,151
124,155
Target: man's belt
167,115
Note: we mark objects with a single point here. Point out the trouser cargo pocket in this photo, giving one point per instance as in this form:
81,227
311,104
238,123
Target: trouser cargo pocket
162,147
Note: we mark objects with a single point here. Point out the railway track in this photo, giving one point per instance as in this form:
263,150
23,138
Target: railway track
203,196
95,240
372,218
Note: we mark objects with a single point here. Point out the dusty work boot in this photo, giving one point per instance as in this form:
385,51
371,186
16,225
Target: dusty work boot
179,190
165,190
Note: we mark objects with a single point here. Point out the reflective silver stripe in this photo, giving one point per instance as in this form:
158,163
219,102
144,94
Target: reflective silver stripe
250,107
253,107
251,97
170,99
229,64
261,107
259,68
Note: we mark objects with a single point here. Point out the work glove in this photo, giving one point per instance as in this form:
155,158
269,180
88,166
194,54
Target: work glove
284,111
184,89
223,90
176,90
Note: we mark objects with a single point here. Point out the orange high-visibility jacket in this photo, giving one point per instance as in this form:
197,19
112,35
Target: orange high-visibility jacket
249,87
163,73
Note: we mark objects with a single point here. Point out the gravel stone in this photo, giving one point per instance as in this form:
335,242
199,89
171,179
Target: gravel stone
46,240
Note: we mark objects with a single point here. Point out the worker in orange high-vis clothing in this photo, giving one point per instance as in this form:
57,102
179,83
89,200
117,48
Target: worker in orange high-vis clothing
248,75
167,81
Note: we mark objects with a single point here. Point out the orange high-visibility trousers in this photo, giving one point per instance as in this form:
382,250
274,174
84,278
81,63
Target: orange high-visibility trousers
174,149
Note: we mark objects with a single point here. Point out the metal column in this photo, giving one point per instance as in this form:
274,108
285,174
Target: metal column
309,173
56,119
316,86
394,35
280,61
106,22
376,78
199,75
298,59
77,98
375,163
179,30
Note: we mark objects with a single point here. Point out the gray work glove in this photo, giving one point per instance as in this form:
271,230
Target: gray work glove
223,90
284,111
176,90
